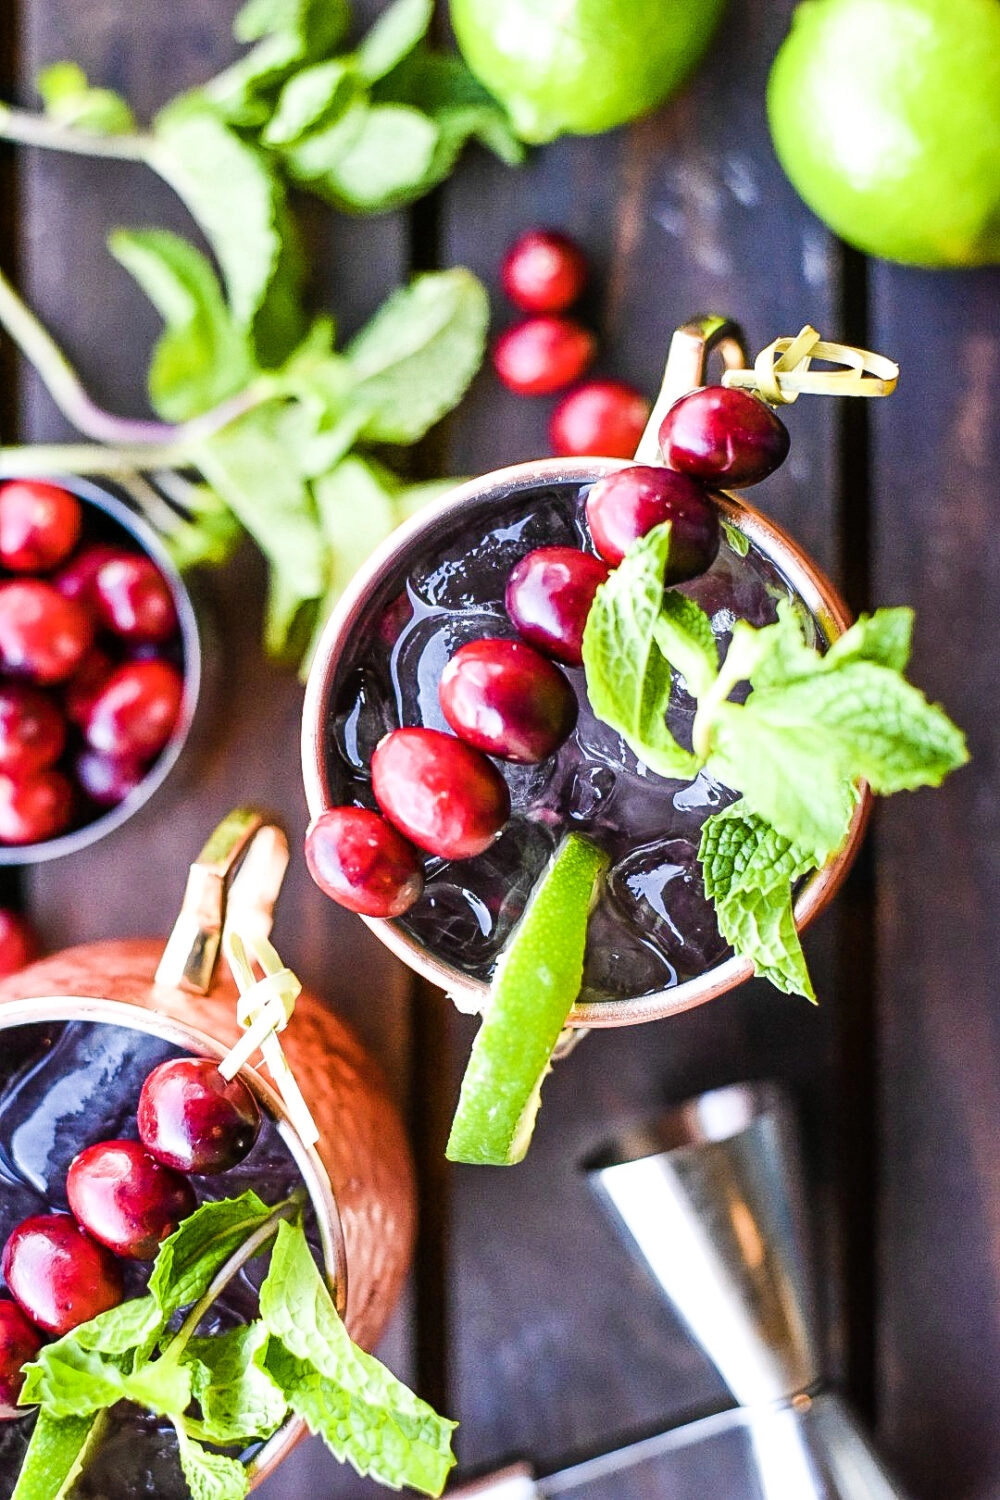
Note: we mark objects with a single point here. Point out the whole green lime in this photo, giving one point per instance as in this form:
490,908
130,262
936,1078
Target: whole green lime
581,66
886,116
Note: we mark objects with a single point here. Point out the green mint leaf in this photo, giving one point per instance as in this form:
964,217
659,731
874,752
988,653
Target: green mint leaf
749,871
778,653
189,1259
69,98
202,356
56,1454
238,1399
684,635
442,86
395,34
791,776
413,362
210,1476
208,535
361,1410
231,194
883,637
628,677
882,728
312,97
311,159
314,26
386,162
82,1371
70,1380
737,539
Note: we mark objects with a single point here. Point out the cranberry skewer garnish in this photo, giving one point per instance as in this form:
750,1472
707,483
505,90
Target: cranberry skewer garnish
58,1275
441,793
507,699
361,861
549,594
125,1199
624,506
723,436
543,271
192,1120
20,1342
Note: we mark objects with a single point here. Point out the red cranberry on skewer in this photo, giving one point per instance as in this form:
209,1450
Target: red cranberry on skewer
192,1120
39,525
58,1275
543,271
363,862
542,355
20,1342
549,594
604,419
441,793
507,699
624,506
125,1199
726,437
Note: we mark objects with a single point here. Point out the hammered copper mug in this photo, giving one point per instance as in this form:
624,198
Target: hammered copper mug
359,1175
476,502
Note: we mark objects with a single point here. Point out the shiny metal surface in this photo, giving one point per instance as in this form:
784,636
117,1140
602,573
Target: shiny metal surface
150,543
474,503
711,1199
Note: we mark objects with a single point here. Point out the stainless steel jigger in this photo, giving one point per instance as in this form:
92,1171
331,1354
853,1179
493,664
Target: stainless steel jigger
710,1198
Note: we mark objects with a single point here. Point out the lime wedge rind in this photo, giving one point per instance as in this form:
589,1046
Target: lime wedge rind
536,982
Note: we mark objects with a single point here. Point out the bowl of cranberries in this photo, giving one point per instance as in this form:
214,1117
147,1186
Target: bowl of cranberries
99,665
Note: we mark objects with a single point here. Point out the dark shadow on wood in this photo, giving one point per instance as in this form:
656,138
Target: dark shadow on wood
856,1063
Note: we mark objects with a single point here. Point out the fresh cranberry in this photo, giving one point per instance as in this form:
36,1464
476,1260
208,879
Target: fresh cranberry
19,1344
360,860
76,579
125,1199
58,1275
441,793
32,730
84,686
543,271
623,507
42,635
542,355
107,779
604,418
192,1120
723,436
135,712
39,525
18,942
507,699
549,594
34,808
133,599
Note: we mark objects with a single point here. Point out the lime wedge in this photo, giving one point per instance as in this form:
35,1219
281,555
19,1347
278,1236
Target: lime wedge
536,982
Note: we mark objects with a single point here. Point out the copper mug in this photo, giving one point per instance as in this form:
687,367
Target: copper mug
458,512
359,1176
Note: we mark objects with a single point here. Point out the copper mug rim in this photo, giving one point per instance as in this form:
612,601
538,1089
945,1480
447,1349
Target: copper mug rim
805,577
182,1034
152,546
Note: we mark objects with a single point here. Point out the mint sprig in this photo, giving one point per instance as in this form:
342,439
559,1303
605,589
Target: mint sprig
813,728
233,1388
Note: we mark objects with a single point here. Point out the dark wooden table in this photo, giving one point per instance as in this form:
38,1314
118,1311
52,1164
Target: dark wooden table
524,1316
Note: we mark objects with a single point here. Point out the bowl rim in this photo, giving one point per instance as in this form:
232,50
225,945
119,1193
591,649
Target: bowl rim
43,1008
804,575
152,545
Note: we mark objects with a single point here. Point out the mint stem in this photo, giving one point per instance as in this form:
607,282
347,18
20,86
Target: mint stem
30,129
67,391
84,458
229,1269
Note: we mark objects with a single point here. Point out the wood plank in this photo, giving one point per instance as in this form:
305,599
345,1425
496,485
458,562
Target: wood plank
558,1343
245,746
938,548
